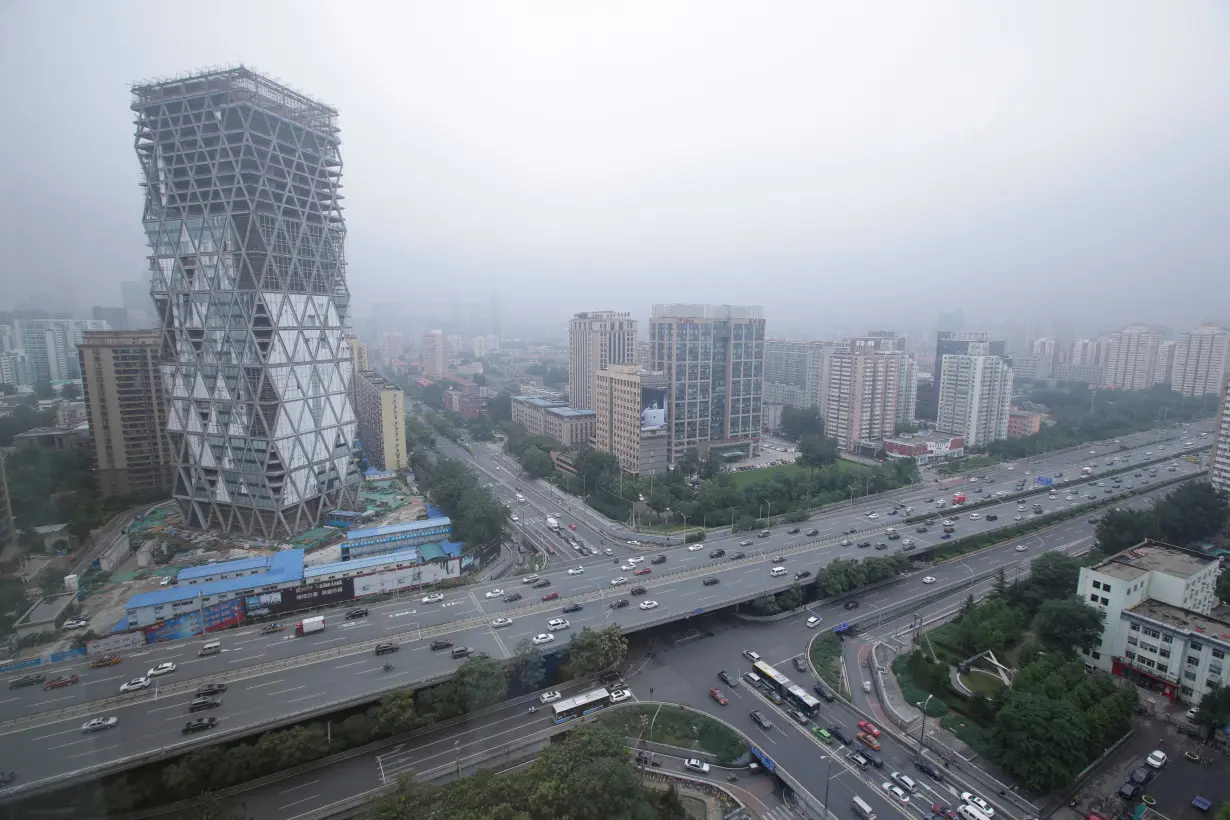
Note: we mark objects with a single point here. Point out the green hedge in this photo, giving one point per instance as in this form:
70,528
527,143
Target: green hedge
825,653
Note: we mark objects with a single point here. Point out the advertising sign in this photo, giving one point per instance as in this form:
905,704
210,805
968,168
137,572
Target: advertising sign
111,644
653,408
223,615
264,604
1043,481
336,591
56,657
177,628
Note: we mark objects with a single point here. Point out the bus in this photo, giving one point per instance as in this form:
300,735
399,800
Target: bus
773,679
582,705
803,701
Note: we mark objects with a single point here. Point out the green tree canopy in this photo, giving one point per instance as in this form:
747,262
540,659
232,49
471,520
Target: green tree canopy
1064,624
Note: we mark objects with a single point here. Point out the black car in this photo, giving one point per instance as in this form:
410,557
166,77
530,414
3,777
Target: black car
637,591
544,583
864,544
658,559
201,704
1129,790
824,692
512,596
716,553
710,581
801,574
361,612
800,664
793,531
738,555
992,517
27,680
386,648
210,689
573,608
811,533
929,770
200,725
840,734
436,645
620,604
851,604
1142,776
728,679
920,529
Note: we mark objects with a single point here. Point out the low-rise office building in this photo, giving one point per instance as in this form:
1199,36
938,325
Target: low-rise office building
924,448
394,537
570,426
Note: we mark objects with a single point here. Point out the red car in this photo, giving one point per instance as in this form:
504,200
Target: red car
717,695
869,728
572,526
643,571
61,682
940,810
550,596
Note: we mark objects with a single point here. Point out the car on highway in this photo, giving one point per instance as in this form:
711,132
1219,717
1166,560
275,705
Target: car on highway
711,581
978,803
873,516
618,581
800,664
992,517
386,647
531,578
636,559
620,695
620,604
717,695
164,668
746,542
643,571
949,530
696,765
577,571
542,637
201,704
98,724
200,725
210,689
812,533
550,596
718,553
738,556
548,697
658,559
929,580
61,682
760,720
438,645
638,591
572,608
845,542
512,597
920,529
135,685
271,629
626,567
929,770
728,679
105,660
896,791
948,522
513,519
556,624
841,735
500,623
696,547
869,727
867,740
649,604
750,655
851,604
543,584
433,598
355,614
814,621
801,574
495,593
904,781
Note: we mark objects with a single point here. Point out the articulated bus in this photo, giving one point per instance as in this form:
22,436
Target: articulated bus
582,705
775,680
802,700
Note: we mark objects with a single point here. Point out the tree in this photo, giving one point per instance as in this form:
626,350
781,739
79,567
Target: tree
1054,574
408,801
526,667
818,452
1214,710
801,422
587,777
590,651
44,390
1040,740
481,682
766,605
1066,623
433,396
537,463
791,598
70,392
396,713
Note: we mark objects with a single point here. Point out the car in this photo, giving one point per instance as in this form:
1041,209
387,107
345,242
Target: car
798,717
620,604
879,545
717,695
542,637
792,531
696,765
618,581
438,645
105,660
746,542
658,559
1129,790
200,725
814,621
824,692
1020,548
863,544
164,668
99,723
649,604
992,517
717,553
135,685
812,533
943,812
495,593
543,584
556,624
76,623
908,542
869,727
572,526
577,571
355,614
904,781
851,604
608,551
868,740
1142,775
270,629
738,556
433,598
696,547
711,581
978,803
210,689
512,597
750,655
550,596
513,519
201,704
549,697
61,682
800,664
845,542
643,571
929,770
840,734
920,529
873,516
636,559
895,791
1156,759
854,756
760,720
620,695
929,579
500,623
801,574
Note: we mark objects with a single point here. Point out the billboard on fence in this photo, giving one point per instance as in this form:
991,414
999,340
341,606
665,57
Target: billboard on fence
16,665
115,643
653,408
181,626
395,579
323,594
267,603
223,615
56,657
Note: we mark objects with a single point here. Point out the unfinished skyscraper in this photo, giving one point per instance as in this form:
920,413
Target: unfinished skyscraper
247,267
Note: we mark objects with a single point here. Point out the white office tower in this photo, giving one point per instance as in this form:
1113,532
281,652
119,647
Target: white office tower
1200,361
248,278
975,395
1131,358
434,354
596,339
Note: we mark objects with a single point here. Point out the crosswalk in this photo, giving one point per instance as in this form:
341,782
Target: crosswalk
781,813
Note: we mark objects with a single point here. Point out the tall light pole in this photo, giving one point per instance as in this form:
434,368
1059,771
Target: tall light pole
828,778
922,732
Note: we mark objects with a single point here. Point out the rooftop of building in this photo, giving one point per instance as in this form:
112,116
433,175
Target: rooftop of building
922,437
571,412
120,338
538,401
1154,556
236,77
696,311
407,556
377,380
39,432
1183,619
394,529
217,568
285,567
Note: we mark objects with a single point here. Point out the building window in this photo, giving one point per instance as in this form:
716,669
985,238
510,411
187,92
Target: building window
1106,587
1105,602
1167,639
1191,661
1153,633
1189,675
1217,653
1135,627
1132,641
1196,647
1097,655
1093,598
1097,585
1163,653
1130,655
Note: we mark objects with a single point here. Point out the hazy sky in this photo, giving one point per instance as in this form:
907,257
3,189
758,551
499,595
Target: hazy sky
843,164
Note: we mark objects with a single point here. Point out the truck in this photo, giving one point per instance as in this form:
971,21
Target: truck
958,498
310,625
1086,471
552,523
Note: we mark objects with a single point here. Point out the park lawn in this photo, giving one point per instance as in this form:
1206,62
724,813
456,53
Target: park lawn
743,479
984,683
825,654
677,727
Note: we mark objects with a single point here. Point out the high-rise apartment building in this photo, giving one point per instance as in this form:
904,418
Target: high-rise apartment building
975,396
864,392
434,355
16,368
1163,370
247,266
380,407
51,344
1201,361
360,357
630,418
1131,358
391,346
1219,464
595,340
8,530
713,358
1088,353
950,342
126,405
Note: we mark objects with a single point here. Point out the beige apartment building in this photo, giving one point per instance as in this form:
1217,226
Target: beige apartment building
435,354
569,426
126,404
1201,360
380,407
630,422
596,339
1131,358
865,390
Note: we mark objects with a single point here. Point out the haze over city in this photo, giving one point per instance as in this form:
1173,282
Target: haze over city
883,163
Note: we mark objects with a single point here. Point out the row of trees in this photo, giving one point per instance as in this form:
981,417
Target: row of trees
837,578
478,516
1194,511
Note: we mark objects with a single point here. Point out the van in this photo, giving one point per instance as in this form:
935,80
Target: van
521,498
211,648
862,809
752,678
776,571
460,652
764,534
967,812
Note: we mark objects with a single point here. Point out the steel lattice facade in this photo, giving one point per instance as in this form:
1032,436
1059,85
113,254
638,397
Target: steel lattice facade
247,266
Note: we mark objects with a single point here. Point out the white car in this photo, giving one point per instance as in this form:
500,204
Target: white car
495,593
1017,517
618,581
896,792
907,542
627,567
76,623
975,516
948,522
556,624
973,479
98,724
929,580
609,551
978,803
813,621
433,598
136,684
696,765
696,548
873,516
548,697
529,579
1156,760
576,571
620,695
513,519
635,559
649,604
845,542
164,668
543,637
1069,498
1021,547
498,467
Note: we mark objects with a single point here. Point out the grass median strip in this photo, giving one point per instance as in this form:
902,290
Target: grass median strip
825,653
678,727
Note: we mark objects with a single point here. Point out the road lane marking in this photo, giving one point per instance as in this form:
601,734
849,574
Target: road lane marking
266,683
297,802
53,734
96,751
305,697
283,691
300,786
74,743
356,663
164,708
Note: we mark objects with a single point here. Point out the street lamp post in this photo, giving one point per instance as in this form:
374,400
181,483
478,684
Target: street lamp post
828,778
922,731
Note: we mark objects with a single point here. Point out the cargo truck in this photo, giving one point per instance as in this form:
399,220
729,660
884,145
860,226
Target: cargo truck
309,625
1086,471
552,523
